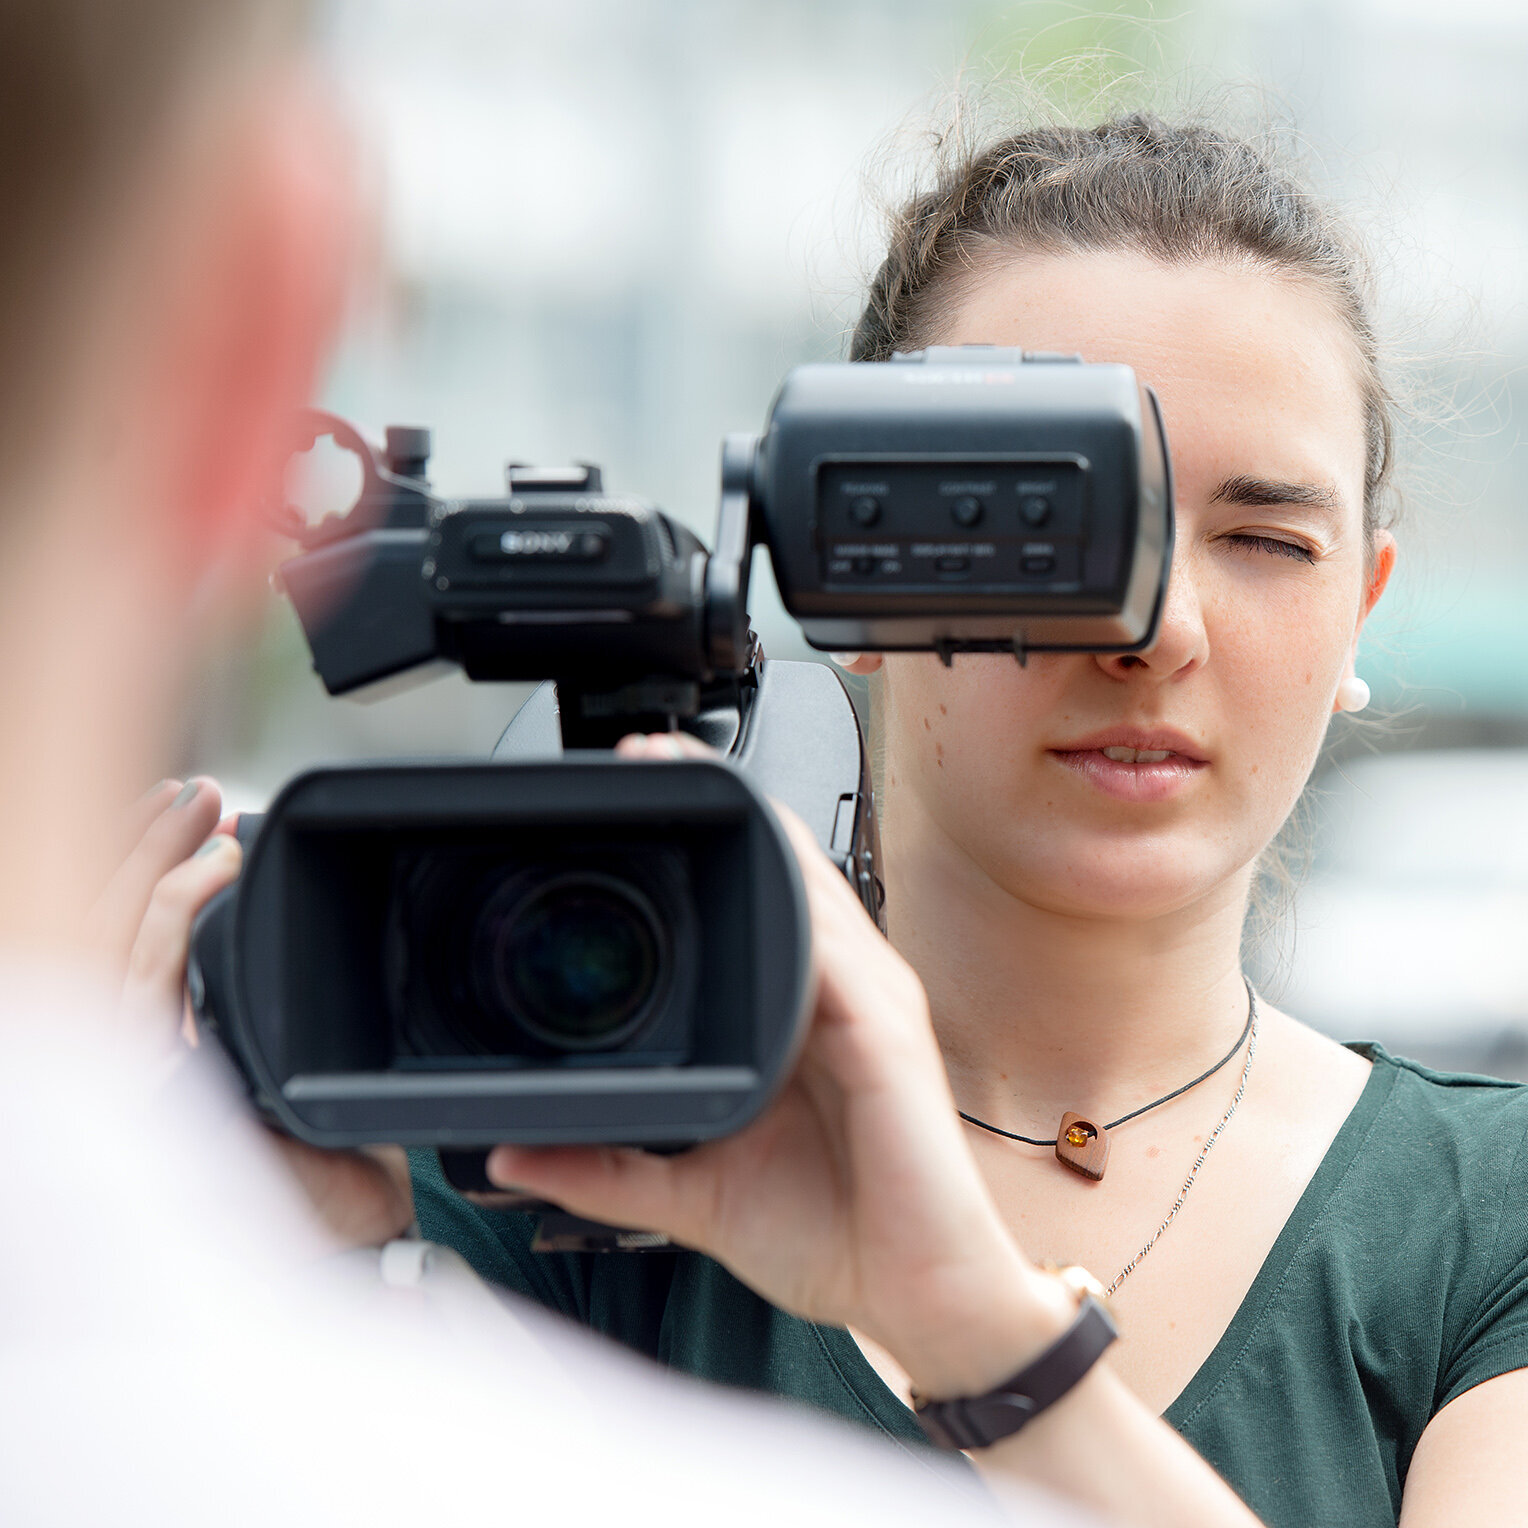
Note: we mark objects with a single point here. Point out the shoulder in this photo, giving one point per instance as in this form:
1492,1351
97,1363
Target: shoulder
1445,1159
1424,1179
1464,1112
1462,1139
1459,1122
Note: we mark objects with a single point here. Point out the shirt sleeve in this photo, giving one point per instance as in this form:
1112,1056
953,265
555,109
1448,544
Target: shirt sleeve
1495,1341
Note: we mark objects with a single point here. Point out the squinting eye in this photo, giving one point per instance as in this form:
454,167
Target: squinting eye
1273,544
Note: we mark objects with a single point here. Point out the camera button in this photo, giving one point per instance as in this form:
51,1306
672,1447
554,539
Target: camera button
967,510
1035,509
952,565
865,510
1038,564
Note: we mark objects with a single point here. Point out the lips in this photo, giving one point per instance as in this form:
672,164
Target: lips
1134,764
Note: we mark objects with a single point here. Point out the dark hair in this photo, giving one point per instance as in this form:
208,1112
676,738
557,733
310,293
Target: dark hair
1175,193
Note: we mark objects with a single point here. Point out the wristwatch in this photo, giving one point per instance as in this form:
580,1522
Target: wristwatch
976,1421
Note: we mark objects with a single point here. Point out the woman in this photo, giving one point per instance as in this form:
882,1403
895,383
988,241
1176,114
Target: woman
1317,1255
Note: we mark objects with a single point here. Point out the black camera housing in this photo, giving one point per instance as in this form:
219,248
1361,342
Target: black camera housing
966,499
348,1036
389,967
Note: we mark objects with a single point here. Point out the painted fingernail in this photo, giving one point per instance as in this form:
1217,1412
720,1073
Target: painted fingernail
187,793
212,845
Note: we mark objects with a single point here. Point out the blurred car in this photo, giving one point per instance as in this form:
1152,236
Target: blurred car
1412,926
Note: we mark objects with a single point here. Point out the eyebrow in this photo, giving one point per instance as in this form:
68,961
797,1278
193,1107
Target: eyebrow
1262,492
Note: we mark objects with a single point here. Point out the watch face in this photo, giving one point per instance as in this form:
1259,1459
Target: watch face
1078,1280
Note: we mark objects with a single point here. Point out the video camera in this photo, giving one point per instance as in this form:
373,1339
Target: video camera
556,946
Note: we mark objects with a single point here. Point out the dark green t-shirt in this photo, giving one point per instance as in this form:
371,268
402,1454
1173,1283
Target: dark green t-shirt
1400,1280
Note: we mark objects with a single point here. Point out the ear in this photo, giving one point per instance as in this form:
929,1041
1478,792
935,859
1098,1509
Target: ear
262,294
1380,569
1381,566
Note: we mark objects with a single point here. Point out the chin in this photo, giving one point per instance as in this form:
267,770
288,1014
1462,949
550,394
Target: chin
1134,882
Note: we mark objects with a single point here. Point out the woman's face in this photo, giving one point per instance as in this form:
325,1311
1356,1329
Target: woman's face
1271,580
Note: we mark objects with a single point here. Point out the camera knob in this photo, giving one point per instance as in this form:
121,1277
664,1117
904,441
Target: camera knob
407,451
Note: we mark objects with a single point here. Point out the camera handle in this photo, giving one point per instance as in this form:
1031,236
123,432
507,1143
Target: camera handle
597,719
728,637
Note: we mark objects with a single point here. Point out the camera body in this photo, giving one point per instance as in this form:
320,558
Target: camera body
967,500
556,946
452,955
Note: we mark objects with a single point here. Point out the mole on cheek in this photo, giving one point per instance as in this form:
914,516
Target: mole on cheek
943,711
926,726
1309,677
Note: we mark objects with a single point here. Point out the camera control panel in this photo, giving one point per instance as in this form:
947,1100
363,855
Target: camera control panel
1010,523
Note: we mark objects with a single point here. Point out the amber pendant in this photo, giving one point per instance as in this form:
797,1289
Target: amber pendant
1082,1146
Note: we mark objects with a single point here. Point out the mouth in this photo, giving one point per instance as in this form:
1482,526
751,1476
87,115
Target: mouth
1131,764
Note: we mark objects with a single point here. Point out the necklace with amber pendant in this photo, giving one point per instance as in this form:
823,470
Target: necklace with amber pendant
1083,1145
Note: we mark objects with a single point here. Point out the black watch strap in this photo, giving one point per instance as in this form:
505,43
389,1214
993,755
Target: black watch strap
974,1421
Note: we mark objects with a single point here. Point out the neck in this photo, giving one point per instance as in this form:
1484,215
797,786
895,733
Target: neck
1041,1011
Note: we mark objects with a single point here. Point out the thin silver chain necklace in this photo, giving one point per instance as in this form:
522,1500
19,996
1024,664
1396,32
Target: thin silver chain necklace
1099,1137
1193,1172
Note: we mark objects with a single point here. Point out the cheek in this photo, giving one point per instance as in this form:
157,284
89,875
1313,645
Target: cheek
964,726
1277,662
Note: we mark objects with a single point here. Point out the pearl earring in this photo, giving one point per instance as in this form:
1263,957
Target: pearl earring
843,660
1352,694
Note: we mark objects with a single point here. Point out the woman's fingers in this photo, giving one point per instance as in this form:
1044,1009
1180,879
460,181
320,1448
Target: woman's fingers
663,745
171,836
137,818
363,1197
617,1185
156,963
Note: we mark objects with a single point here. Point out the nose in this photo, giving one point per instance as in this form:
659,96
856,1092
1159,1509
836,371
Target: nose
1182,642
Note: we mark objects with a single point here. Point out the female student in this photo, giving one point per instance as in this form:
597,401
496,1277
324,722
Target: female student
1315,1255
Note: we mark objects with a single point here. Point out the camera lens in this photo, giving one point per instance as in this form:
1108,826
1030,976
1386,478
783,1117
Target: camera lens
576,961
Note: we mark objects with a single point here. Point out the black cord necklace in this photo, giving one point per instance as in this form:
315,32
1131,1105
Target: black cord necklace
1083,1145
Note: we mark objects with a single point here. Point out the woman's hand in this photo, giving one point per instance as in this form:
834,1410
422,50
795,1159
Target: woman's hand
854,1198
178,856
181,854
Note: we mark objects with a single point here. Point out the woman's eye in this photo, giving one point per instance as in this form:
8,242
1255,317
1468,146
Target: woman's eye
1255,543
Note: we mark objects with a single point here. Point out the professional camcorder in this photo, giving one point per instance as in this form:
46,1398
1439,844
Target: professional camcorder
556,946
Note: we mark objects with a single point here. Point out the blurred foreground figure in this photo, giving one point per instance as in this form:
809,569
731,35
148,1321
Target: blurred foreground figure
181,1341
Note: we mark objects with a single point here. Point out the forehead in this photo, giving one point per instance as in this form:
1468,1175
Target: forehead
1255,371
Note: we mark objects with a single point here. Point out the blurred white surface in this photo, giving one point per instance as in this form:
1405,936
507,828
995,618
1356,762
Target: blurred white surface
1413,926
189,1350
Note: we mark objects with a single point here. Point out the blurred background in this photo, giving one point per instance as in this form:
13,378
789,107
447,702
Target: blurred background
606,228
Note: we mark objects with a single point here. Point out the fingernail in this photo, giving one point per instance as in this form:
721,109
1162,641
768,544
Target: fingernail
187,793
212,845
154,790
